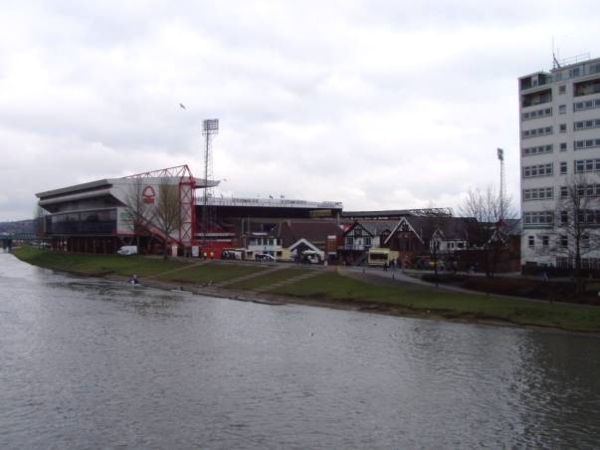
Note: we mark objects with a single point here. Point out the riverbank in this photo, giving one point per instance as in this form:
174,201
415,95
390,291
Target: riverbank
277,283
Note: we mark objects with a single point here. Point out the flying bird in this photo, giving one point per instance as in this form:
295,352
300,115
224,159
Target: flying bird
182,106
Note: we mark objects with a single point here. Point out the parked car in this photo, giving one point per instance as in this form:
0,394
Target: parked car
311,257
128,250
265,257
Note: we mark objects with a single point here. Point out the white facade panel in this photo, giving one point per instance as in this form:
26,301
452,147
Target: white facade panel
559,124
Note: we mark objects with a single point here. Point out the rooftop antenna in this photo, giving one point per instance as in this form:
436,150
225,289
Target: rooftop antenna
502,183
555,63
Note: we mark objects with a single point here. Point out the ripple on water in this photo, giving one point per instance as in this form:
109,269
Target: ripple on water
92,364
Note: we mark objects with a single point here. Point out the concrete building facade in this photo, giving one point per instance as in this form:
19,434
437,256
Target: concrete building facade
559,117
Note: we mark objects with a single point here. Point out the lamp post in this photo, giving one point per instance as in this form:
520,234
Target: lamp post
435,249
210,127
502,187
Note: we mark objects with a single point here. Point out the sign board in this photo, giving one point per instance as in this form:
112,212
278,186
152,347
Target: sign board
124,221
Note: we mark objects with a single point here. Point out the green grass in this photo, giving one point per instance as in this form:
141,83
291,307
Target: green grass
211,271
449,304
329,286
97,265
267,279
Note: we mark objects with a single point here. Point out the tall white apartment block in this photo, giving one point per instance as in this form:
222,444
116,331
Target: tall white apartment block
559,117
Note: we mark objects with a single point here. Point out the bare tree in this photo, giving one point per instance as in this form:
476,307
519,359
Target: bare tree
575,228
167,214
436,220
39,218
496,221
140,212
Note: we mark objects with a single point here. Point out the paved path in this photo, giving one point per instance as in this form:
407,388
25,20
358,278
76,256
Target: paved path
399,277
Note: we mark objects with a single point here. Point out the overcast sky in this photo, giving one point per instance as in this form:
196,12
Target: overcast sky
379,104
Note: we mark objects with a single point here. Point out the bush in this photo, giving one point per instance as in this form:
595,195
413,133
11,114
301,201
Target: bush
446,278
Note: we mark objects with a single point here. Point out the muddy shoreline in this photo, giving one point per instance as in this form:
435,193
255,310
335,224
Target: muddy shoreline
358,306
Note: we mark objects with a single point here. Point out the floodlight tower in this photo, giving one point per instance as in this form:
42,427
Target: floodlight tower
210,127
502,183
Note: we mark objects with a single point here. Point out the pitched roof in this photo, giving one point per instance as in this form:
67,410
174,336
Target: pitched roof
373,227
315,231
452,228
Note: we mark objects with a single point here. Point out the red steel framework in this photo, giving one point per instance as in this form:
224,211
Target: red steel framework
187,198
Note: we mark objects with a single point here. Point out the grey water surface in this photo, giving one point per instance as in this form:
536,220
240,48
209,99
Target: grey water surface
94,364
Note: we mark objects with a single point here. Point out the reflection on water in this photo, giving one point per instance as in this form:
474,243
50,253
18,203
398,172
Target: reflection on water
88,363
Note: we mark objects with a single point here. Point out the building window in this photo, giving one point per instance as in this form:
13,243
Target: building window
591,190
564,192
586,124
537,218
562,109
564,217
536,114
562,89
531,241
587,165
538,194
588,143
539,150
535,132
564,241
563,146
563,168
589,217
588,104
594,68
545,241
585,241
563,127
540,170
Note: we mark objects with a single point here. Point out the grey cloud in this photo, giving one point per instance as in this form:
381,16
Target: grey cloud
314,98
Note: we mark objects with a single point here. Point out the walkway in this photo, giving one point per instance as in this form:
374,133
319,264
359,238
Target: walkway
397,277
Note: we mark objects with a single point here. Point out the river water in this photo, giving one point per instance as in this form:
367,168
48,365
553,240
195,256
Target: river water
93,364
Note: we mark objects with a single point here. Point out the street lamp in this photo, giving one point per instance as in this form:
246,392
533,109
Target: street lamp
434,246
502,183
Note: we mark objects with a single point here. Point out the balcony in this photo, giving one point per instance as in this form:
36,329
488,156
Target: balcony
537,80
587,88
536,98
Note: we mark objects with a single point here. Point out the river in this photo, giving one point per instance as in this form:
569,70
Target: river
93,364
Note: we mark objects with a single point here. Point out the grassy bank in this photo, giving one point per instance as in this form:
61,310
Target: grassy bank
326,287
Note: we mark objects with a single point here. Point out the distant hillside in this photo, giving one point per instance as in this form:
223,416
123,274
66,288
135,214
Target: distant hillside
19,226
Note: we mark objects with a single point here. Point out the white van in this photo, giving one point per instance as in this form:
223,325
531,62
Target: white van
128,250
311,257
